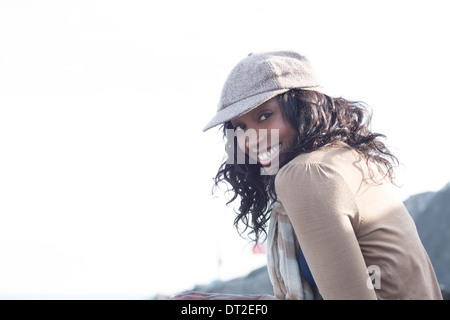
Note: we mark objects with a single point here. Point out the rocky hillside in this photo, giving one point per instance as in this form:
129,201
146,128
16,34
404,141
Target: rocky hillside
256,282
431,213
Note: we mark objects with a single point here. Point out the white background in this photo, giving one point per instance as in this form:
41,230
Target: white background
105,173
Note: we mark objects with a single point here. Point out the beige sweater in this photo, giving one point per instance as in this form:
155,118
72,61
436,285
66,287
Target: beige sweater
349,226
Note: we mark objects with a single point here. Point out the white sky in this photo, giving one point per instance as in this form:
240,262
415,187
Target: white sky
105,174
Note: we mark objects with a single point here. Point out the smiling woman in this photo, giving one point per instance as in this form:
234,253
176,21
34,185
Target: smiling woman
319,121
264,120
90,164
330,203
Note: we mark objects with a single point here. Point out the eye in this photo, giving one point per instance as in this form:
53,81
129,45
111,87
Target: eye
265,116
239,127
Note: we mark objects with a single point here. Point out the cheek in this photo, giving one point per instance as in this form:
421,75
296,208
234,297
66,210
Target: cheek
287,135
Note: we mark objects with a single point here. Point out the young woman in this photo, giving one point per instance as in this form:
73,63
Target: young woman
314,171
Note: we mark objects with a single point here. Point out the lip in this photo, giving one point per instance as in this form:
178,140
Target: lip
266,158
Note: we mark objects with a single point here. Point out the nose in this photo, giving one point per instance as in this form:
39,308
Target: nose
255,140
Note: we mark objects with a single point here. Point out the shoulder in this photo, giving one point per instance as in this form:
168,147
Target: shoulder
321,186
334,154
330,164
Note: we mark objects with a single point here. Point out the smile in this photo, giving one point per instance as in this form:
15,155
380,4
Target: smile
266,158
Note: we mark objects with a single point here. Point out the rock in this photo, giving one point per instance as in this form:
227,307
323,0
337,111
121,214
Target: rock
433,226
256,282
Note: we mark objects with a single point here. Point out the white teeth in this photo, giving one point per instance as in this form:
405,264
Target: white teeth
268,154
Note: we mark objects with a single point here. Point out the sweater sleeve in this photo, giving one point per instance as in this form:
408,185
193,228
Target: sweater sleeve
324,214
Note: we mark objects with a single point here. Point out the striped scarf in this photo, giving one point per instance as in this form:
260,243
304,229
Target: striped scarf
282,264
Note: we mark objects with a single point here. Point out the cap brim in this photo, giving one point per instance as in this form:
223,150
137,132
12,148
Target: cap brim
241,107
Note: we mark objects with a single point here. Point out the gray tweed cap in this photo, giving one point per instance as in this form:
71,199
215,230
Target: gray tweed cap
260,77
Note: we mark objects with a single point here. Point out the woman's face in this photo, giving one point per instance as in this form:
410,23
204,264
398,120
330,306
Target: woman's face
262,133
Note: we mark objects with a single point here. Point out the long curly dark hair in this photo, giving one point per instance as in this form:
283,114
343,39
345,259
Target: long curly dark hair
319,120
